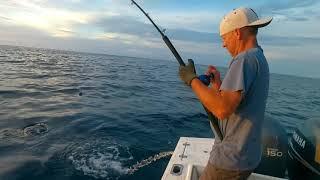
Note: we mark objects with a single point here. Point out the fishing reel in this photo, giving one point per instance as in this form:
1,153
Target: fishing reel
205,79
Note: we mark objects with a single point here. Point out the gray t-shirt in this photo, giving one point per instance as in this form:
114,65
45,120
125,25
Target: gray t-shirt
240,148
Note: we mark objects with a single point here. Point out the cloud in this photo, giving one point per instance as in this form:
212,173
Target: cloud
287,4
34,14
202,20
288,41
66,31
119,44
280,16
291,10
5,18
194,36
129,25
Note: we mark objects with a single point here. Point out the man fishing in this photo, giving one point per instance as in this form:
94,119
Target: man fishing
238,101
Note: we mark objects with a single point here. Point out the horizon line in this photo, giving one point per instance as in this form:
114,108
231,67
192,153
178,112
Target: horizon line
96,53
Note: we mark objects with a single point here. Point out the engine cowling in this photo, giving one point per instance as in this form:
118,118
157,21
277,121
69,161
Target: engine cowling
274,146
304,151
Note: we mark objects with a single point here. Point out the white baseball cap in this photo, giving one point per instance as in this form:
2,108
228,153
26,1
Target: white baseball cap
241,17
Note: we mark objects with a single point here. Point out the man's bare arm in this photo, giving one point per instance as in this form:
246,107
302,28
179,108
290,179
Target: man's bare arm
221,103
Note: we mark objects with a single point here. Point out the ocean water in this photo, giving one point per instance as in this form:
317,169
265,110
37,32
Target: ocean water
67,115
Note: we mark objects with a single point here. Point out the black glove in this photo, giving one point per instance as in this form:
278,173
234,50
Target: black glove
188,73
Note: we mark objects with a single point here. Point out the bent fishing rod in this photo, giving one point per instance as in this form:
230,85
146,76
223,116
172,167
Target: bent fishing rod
203,78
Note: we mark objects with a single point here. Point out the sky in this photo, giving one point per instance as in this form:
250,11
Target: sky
291,42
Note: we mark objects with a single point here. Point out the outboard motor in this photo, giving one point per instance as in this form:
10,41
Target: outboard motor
304,152
274,147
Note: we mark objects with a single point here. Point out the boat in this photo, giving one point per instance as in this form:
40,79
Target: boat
296,156
190,158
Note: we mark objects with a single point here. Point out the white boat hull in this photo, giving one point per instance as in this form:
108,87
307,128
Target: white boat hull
190,158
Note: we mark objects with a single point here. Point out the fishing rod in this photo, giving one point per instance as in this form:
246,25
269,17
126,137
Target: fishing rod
164,37
203,78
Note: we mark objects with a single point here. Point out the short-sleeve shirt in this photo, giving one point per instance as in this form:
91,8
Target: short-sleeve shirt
240,148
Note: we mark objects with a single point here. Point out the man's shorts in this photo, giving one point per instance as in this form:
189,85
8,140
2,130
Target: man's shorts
213,173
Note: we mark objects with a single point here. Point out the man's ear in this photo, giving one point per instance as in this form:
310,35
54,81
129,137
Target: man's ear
238,34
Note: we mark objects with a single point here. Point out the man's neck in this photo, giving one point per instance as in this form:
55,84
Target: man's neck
246,45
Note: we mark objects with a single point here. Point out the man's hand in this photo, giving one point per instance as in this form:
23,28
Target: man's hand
187,73
216,82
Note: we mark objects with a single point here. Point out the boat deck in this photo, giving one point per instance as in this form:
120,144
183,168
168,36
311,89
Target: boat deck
190,158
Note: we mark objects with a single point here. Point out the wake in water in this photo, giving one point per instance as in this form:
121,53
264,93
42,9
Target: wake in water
35,129
107,159
102,158
32,130
94,157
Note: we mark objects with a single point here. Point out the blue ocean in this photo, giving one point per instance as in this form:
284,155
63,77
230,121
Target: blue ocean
79,116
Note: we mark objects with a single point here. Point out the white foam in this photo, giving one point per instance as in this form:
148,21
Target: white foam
99,162
105,159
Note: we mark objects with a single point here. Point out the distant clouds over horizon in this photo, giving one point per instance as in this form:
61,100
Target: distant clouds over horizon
290,42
